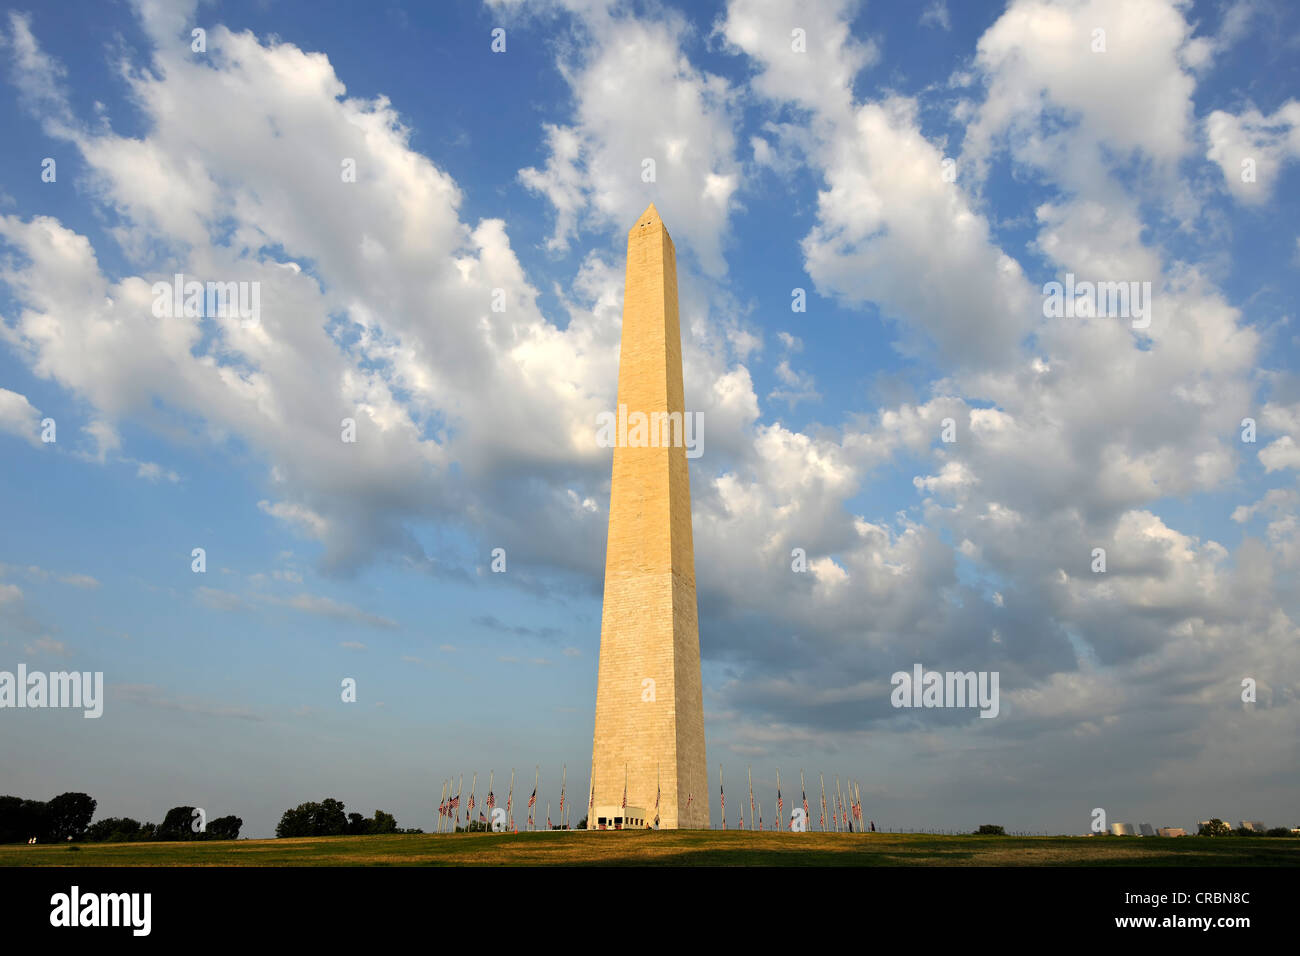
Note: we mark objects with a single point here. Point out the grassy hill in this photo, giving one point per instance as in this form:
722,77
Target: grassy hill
674,848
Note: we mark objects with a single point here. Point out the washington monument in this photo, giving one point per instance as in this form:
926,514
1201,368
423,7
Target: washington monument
649,740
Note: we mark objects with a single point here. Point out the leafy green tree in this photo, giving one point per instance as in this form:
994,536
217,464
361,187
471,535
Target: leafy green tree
35,817
381,822
313,819
225,828
1278,832
330,819
990,829
113,830
177,825
298,821
1215,827
15,826
69,815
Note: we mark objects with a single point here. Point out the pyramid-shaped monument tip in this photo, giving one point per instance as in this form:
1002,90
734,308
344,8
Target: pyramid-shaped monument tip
649,217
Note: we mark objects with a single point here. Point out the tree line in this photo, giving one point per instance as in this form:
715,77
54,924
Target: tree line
68,817
327,818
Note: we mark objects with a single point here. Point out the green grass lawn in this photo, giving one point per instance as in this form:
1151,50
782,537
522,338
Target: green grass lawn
675,848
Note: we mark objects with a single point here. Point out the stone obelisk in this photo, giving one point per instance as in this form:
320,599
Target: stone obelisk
649,704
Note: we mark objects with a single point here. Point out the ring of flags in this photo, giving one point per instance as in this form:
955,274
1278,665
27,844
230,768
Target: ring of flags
843,812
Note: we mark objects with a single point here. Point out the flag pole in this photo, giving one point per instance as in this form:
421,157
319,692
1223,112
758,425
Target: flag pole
469,811
780,807
657,792
532,804
822,777
510,801
803,792
750,771
564,777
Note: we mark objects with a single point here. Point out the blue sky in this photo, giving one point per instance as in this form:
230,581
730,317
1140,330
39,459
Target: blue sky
777,170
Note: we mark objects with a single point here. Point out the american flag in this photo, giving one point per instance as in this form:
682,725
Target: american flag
779,804
491,800
689,798
561,803
481,818
471,803
723,795
533,799
548,821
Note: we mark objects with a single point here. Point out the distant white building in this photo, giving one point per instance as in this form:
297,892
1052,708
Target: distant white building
1123,829
1255,826
1172,831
